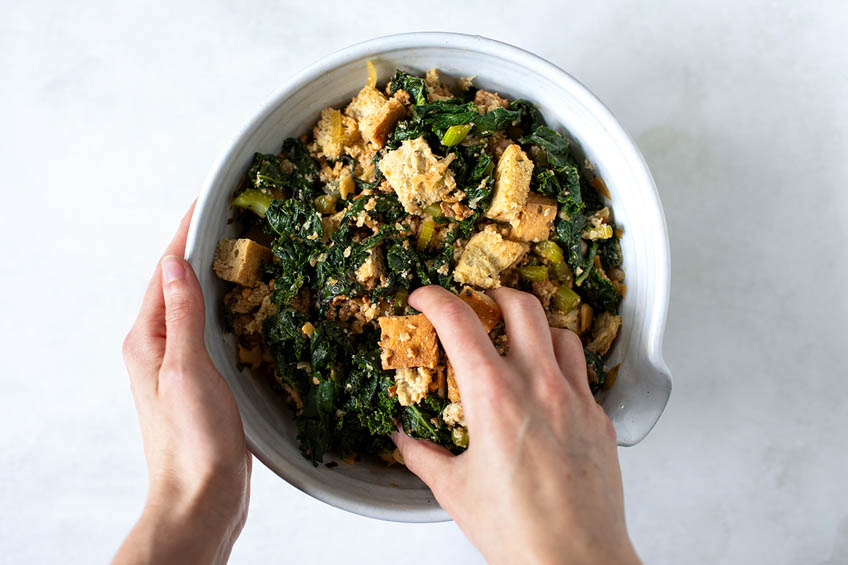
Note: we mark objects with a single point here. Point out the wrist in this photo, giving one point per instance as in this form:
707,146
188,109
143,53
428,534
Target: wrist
196,524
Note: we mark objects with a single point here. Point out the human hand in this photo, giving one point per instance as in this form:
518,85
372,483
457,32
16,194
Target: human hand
198,462
540,481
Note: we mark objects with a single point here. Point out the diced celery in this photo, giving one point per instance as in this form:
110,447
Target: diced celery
456,134
550,251
399,300
603,231
565,299
459,435
254,200
434,210
326,203
533,273
562,273
428,228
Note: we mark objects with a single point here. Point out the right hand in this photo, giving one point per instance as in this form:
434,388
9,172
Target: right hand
540,481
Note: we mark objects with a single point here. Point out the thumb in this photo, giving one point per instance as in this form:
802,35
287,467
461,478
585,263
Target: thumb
184,309
429,461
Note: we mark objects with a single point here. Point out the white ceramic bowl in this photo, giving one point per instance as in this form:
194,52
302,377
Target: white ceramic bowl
635,402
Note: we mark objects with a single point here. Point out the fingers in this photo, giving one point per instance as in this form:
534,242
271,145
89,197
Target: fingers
177,245
570,357
184,312
424,458
144,346
526,327
149,327
462,335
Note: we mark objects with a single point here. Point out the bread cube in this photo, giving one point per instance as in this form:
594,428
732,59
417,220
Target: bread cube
453,389
484,306
240,260
408,341
370,271
512,184
411,384
375,115
604,330
417,176
453,414
334,132
536,219
485,256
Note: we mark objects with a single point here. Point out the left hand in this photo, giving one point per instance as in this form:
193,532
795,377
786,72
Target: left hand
198,462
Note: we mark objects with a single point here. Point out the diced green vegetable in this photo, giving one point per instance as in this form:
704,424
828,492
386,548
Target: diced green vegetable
434,210
428,228
562,273
399,300
459,435
326,203
565,299
456,134
601,232
533,273
550,251
254,200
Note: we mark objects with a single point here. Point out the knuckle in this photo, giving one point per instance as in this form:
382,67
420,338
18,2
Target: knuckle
552,387
525,300
566,338
454,312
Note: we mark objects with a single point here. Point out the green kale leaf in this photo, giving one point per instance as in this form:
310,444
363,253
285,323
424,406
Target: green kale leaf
315,422
295,219
596,371
599,292
413,85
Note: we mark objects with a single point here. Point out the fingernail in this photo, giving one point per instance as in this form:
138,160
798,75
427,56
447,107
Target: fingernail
172,269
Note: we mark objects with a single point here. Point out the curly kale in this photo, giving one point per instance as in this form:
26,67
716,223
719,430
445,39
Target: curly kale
438,116
424,420
413,85
369,398
294,172
315,422
295,219
595,368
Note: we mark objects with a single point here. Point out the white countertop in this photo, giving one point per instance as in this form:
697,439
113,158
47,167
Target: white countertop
112,114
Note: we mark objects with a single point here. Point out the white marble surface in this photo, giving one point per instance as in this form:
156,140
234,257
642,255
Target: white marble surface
113,112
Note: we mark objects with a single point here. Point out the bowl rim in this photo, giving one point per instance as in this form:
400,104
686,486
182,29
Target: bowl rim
473,43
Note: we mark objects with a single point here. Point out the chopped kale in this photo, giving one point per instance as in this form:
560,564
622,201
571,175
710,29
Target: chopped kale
288,344
472,169
295,219
413,85
438,116
424,420
267,172
296,172
554,145
329,346
599,293
369,396
531,117
316,420
596,371
609,250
